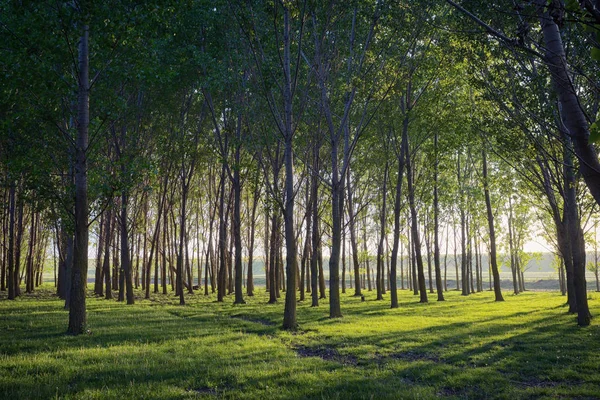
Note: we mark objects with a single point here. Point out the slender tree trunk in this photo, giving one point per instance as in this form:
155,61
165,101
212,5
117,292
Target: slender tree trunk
106,263
458,277
11,242
401,266
267,252
250,278
182,240
576,237
463,226
115,263
237,220
289,314
322,286
415,225
596,256
154,243
125,258
306,253
273,268
380,259
222,279
413,262
229,259
446,260
511,246
561,277
163,270
477,269
136,281
470,253
98,289
343,260
4,248
366,254
353,241
337,209
77,309
436,225
314,269
427,237
145,264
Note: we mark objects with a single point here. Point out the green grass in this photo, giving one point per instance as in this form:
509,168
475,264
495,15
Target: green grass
464,348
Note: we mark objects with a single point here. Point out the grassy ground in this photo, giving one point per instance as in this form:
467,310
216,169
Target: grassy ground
526,347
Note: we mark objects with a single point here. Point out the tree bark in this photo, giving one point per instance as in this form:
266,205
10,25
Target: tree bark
11,242
414,224
576,237
574,118
436,225
353,241
77,309
382,219
289,313
492,231
106,261
511,247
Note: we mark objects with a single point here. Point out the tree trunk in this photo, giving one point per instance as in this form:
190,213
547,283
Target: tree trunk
574,118
343,260
337,209
306,252
314,268
492,231
415,225
511,247
182,240
436,225
154,242
222,278
366,254
576,237
77,309
289,314
250,277
380,259
463,223
322,286
98,290
237,221
106,263
125,258
353,241
11,242
273,250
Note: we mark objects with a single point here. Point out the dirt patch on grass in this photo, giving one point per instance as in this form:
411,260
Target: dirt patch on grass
205,390
261,321
449,392
533,382
327,354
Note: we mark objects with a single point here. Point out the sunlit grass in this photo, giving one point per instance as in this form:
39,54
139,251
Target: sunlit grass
465,347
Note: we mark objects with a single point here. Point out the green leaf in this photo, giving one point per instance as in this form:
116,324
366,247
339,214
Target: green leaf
596,53
572,5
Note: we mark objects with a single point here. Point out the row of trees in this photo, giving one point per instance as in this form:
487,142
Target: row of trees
185,134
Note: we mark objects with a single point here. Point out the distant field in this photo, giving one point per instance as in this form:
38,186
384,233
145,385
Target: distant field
527,347
539,276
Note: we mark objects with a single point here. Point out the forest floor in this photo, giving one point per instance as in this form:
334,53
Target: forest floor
465,347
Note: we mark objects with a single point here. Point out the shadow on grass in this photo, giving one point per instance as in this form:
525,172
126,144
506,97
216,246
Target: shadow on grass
218,350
